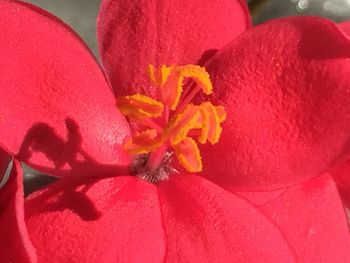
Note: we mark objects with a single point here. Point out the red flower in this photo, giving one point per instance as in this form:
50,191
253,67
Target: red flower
284,86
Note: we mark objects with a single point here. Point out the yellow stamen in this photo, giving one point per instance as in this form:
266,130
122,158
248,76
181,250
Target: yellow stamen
139,106
159,77
211,128
188,120
188,154
143,142
171,91
221,113
180,125
198,74
172,88
153,75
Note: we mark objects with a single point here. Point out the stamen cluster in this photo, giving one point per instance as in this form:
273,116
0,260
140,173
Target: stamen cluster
171,120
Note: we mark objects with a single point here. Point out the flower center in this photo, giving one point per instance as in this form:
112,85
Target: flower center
171,123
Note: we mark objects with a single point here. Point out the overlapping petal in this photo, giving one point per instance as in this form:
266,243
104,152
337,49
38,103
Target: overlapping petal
312,218
285,87
123,219
15,243
133,34
205,223
96,220
57,112
341,175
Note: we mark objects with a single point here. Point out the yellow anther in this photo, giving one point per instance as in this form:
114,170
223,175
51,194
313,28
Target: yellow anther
171,91
171,79
198,74
143,142
182,123
153,75
188,154
139,106
221,113
160,76
211,128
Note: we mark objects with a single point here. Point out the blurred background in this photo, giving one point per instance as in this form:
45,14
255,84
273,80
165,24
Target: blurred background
81,15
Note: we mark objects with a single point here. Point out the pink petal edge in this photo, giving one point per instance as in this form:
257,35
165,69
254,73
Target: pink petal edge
345,26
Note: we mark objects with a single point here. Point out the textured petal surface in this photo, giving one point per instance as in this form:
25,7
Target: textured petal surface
15,245
110,220
135,33
286,88
312,218
120,220
204,223
57,112
341,175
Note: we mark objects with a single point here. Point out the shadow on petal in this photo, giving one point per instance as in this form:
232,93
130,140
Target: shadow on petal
77,202
69,195
206,56
66,155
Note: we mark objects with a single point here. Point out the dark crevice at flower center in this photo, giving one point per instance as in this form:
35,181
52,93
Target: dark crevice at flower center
141,169
171,122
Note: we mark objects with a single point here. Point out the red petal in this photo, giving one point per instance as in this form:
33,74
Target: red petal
109,220
312,218
341,175
133,34
285,87
5,159
58,113
15,244
204,223
345,26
